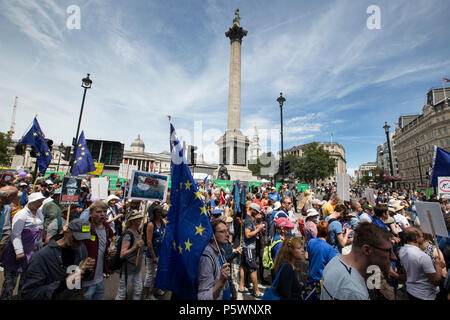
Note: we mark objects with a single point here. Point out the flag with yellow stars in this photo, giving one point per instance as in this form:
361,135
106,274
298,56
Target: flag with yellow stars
82,159
188,230
35,138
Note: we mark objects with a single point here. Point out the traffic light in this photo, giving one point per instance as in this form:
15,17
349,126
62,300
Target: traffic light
20,149
49,144
66,153
287,167
191,154
33,152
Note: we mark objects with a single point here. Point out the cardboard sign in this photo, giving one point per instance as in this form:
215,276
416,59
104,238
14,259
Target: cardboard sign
70,191
444,187
98,169
99,188
148,186
437,219
126,168
370,196
343,186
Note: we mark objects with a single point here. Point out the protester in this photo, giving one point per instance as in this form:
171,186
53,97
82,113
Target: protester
289,286
99,249
26,238
57,224
154,237
274,195
330,205
213,270
339,236
46,276
130,271
310,225
7,195
248,263
113,216
422,277
344,276
283,230
319,252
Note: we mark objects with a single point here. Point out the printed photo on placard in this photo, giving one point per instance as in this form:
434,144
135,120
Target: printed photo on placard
70,191
148,186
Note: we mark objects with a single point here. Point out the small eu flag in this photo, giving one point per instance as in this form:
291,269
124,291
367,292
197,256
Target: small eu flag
188,230
35,138
82,160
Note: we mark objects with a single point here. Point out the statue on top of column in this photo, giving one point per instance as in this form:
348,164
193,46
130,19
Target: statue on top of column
236,16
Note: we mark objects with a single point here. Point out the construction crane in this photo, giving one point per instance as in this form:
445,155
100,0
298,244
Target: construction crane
13,120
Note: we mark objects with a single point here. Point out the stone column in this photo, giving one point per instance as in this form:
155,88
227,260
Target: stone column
235,33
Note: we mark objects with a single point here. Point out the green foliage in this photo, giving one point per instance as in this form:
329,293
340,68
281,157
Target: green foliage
315,164
376,176
5,154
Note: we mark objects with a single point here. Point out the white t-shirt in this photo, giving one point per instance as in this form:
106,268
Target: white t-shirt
342,282
417,263
365,217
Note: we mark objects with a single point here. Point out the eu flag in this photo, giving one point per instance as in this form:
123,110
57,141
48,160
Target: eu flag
441,165
188,230
35,138
82,160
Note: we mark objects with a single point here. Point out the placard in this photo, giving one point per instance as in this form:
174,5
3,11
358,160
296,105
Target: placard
343,186
370,196
126,168
99,188
148,186
444,187
98,169
437,219
70,191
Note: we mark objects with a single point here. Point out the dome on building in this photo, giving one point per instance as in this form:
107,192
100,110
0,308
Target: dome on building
138,145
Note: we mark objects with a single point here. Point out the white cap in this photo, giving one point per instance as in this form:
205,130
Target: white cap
35,197
49,182
255,206
311,213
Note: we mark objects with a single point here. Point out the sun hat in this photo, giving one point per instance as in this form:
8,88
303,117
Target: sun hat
35,197
136,215
311,213
112,197
397,207
284,223
255,207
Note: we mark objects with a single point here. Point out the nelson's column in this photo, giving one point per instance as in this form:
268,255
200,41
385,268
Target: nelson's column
233,145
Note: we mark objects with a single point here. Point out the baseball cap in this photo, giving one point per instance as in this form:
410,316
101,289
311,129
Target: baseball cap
284,223
49,182
255,206
35,197
367,207
81,229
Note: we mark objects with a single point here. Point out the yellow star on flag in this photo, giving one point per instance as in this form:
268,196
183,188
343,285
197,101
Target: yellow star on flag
174,245
188,185
188,245
46,153
35,134
79,145
83,148
75,161
38,154
181,185
80,158
83,153
200,230
204,210
180,248
197,195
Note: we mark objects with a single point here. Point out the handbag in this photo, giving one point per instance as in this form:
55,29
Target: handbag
270,293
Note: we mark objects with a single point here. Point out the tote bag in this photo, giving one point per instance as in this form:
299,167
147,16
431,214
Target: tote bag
270,293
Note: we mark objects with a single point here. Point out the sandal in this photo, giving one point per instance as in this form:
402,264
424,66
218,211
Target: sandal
259,296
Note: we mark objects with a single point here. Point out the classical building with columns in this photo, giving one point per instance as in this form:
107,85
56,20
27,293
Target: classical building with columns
147,161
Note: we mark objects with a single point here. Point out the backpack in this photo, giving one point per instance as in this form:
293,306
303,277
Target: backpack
116,262
268,262
301,226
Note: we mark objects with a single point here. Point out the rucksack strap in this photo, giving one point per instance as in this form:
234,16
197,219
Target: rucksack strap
275,282
59,220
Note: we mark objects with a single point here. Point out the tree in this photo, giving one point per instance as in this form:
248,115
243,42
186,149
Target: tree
5,153
315,164
266,166
374,176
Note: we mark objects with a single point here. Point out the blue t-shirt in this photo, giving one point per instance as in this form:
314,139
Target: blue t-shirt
335,230
380,224
319,254
275,196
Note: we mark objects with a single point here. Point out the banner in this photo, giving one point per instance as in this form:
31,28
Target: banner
126,168
70,191
98,169
148,186
343,186
437,219
370,196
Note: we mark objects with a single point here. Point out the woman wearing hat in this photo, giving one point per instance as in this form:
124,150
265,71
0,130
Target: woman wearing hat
113,216
310,225
26,238
130,272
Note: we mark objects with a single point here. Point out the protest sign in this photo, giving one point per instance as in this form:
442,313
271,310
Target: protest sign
148,186
370,196
98,169
444,187
343,186
99,188
125,170
431,218
70,191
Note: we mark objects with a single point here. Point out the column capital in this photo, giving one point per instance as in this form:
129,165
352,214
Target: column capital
236,33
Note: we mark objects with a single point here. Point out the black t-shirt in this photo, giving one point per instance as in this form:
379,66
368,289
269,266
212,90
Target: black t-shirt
68,256
289,287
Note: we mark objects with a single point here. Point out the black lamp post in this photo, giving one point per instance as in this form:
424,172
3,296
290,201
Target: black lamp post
281,100
386,129
418,159
86,83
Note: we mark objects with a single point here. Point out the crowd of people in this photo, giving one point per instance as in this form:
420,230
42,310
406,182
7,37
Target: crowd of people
314,244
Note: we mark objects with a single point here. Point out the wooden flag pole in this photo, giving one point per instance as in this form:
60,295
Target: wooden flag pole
68,215
142,230
434,233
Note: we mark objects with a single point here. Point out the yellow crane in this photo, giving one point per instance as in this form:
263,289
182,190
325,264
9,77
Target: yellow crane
13,120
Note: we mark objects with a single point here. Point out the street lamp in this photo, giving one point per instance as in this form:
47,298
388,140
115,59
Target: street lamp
86,83
386,129
418,159
281,100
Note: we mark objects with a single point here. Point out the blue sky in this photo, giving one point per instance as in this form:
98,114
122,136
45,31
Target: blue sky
148,59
